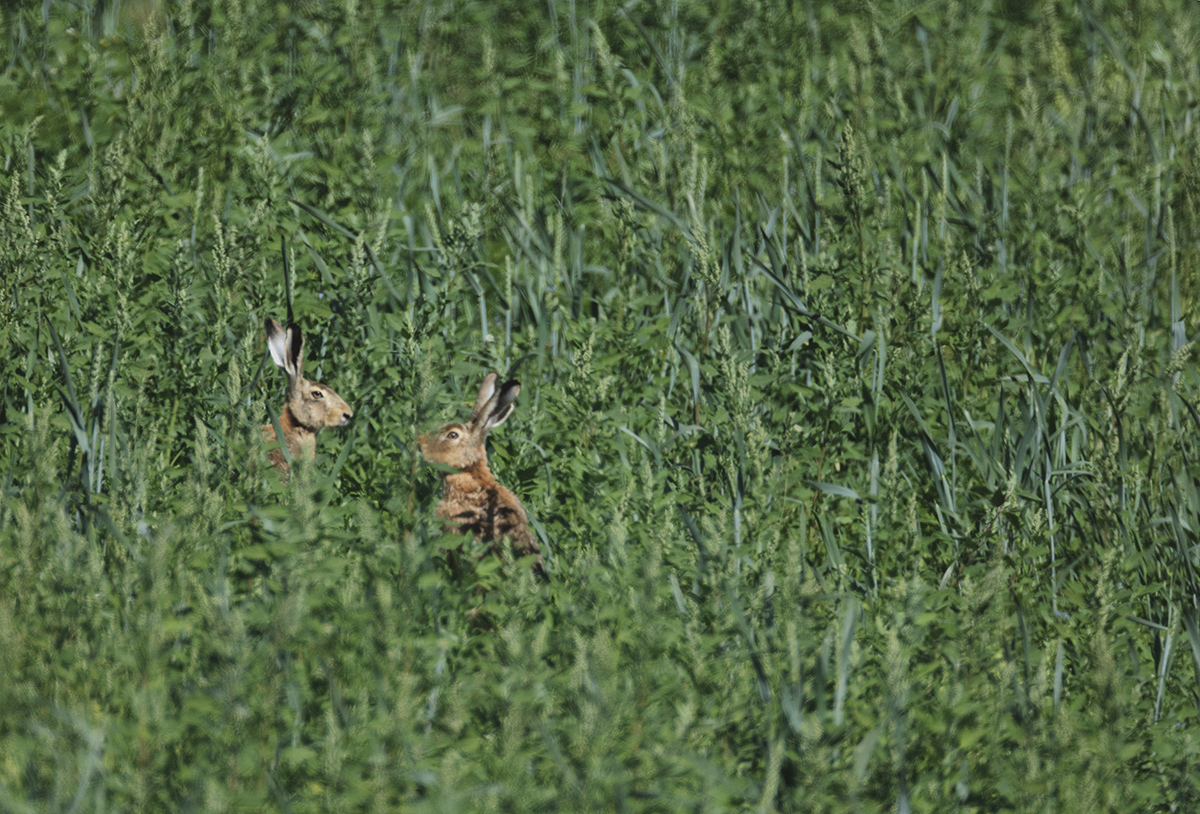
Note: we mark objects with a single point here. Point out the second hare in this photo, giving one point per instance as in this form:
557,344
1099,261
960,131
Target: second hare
473,501
311,406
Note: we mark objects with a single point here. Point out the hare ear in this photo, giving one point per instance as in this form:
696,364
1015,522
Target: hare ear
486,391
277,342
295,350
503,406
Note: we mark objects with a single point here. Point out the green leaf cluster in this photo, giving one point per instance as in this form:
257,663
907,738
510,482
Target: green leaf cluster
858,417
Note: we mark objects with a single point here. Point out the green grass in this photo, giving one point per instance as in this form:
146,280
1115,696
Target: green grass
858,416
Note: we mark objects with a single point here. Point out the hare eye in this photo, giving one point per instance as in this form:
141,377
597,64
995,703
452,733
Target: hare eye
317,394
452,435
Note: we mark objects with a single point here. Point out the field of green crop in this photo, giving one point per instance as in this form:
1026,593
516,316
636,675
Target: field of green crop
859,421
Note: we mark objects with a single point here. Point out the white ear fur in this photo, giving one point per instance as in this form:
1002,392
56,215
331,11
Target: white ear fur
487,391
500,406
287,348
295,351
277,343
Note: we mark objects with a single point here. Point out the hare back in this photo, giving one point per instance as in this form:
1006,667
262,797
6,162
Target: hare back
488,512
490,536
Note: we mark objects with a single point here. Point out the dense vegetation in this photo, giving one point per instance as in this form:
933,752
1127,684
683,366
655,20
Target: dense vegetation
858,418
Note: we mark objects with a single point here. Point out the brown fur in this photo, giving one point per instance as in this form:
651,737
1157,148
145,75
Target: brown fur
311,406
473,502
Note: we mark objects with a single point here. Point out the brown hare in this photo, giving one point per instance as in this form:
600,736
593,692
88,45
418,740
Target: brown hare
310,406
473,502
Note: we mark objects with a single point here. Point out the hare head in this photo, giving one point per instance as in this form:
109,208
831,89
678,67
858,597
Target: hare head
461,445
310,406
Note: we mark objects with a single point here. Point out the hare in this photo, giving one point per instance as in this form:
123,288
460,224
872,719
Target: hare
310,406
473,502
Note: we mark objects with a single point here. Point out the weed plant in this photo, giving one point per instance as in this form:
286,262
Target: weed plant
858,420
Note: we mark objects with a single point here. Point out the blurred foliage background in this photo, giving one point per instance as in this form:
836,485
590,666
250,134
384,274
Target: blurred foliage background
858,417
